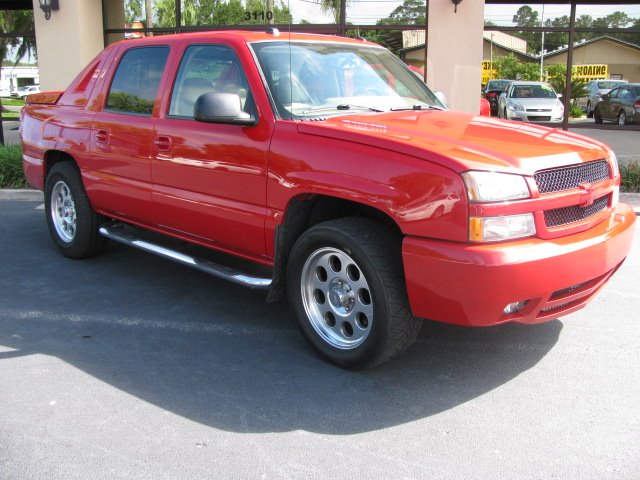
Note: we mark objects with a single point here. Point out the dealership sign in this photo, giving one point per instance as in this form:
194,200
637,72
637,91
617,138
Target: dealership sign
590,72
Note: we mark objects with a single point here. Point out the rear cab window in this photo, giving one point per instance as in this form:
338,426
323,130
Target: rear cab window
135,83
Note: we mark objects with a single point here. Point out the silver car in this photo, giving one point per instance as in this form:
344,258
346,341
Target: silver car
531,102
596,89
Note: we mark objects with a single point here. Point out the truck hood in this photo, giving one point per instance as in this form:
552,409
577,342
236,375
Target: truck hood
463,142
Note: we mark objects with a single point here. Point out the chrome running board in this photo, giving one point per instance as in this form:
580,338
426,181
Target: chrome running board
115,231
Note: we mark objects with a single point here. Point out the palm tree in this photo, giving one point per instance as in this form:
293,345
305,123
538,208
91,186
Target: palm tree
332,7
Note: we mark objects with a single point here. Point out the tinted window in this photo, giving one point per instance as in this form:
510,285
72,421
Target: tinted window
606,85
136,81
497,85
533,91
204,69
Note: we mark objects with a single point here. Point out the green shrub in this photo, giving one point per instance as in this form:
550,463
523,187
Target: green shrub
630,177
11,175
575,111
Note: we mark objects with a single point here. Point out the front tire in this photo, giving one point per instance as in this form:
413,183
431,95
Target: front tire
622,118
345,285
72,222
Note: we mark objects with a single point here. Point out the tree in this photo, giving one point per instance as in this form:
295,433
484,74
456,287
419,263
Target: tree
527,17
510,67
557,77
218,12
411,12
554,40
332,7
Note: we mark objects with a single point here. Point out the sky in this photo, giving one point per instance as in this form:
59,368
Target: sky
367,12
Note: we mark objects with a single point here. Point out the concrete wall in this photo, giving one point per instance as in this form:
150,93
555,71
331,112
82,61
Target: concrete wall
67,41
454,52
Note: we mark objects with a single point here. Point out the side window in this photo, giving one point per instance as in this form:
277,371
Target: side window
614,93
135,83
204,69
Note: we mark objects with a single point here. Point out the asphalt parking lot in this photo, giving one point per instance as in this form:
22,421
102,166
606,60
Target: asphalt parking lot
130,366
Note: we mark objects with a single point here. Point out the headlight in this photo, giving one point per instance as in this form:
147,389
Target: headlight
614,164
493,229
495,187
615,197
516,106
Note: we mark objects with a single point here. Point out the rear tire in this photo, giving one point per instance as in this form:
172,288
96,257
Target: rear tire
622,118
589,110
345,285
72,222
597,116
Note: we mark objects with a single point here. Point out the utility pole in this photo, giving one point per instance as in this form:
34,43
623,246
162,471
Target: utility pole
149,13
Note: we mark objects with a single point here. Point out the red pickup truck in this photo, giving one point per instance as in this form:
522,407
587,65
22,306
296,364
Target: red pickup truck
326,171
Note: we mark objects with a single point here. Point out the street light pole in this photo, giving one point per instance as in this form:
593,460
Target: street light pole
542,45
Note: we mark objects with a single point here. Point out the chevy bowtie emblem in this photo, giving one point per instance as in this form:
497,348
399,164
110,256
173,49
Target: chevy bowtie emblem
588,195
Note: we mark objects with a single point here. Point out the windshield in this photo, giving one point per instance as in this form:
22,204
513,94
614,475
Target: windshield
533,91
316,80
498,85
608,85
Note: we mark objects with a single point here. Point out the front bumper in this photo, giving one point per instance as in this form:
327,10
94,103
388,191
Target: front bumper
468,284
545,117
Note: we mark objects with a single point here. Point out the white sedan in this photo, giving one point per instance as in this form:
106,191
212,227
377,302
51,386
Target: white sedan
531,102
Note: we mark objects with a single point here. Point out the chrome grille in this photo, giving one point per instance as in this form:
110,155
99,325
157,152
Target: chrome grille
566,178
575,213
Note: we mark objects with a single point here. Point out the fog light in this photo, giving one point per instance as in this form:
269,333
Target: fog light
514,307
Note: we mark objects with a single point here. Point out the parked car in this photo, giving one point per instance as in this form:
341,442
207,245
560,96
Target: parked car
492,91
621,105
596,89
531,102
22,92
334,176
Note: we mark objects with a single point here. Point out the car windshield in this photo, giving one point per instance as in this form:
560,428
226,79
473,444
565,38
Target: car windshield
498,85
311,80
607,85
533,91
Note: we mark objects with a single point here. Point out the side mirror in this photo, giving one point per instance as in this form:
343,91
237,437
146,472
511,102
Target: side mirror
559,95
225,108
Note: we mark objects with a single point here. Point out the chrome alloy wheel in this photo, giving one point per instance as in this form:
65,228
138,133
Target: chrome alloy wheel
63,211
337,298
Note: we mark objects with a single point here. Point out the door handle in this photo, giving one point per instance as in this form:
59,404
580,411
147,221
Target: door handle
102,136
163,143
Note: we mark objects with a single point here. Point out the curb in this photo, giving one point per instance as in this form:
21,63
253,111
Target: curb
24,194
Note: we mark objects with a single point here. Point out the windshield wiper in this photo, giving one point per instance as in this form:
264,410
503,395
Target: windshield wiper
342,107
417,107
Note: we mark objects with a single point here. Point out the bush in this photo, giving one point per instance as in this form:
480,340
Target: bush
630,177
11,175
575,111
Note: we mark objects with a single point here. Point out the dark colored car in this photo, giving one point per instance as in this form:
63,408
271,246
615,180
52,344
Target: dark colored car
621,105
492,92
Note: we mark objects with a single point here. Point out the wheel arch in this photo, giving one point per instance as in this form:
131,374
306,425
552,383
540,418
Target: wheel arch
53,157
303,212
